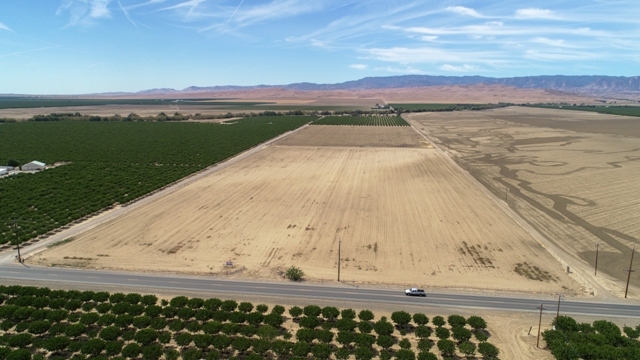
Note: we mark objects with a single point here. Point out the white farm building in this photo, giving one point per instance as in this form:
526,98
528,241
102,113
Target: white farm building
3,171
33,166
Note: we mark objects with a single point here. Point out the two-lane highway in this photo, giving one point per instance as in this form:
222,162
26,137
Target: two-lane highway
299,290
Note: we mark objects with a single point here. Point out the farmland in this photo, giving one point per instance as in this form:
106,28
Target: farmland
601,109
398,207
367,120
58,324
110,163
39,102
572,175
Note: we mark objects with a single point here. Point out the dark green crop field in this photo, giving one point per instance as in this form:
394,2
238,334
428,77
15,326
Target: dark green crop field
613,110
37,102
110,162
365,120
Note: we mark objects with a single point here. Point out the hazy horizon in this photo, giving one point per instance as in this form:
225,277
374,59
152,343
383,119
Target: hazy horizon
97,46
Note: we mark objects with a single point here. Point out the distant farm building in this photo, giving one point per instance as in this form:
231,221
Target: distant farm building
33,166
3,171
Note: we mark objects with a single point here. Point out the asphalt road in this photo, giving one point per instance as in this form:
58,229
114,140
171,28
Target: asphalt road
297,290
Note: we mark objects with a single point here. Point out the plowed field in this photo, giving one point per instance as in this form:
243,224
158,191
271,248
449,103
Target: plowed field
404,215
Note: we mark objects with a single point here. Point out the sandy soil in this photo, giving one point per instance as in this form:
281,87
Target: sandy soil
404,215
577,188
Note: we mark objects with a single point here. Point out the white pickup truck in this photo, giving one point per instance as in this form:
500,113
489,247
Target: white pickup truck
415,292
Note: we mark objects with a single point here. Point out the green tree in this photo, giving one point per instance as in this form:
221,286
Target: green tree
363,353
312,310
456,320
295,312
420,319
427,356
384,341
424,345
438,321
404,344
348,314
294,273
39,327
345,338
306,335
330,312
321,351
365,315
383,327
273,319
241,344
325,336
20,354
346,324
565,323
192,354
149,300
261,346
401,318
281,348
423,332
131,351
113,348
467,348
221,342
477,323
278,309
93,347
183,338
405,354
212,327
365,327
202,341
179,301
309,322
110,333
461,334
57,343
488,351
245,307
442,333
146,336
228,305
446,347
152,352
267,332
301,349
342,354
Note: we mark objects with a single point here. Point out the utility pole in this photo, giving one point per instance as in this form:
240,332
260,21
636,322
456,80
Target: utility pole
339,246
629,271
560,297
597,248
540,324
506,195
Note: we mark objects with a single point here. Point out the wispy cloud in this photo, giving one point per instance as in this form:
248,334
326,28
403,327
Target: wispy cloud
26,51
126,13
535,13
5,27
235,11
358,66
463,11
461,68
84,12
550,42
405,55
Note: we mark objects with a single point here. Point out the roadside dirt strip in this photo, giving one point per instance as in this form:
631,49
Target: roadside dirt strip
403,214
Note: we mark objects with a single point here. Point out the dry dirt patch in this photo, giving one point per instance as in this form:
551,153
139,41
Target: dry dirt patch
577,188
404,215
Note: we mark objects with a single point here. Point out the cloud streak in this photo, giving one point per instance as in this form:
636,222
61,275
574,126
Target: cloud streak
5,28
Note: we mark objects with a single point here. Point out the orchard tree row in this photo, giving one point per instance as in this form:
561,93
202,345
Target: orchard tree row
600,340
110,163
39,323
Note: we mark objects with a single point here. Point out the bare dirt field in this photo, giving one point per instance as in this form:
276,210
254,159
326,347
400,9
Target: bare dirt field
572,175
405,215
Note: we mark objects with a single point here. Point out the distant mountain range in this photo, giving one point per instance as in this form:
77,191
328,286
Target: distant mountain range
577,84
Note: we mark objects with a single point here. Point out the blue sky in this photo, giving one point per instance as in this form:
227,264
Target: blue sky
86,46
